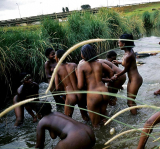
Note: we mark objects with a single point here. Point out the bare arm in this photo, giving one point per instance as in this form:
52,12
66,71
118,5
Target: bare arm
40,136
47,71
148,127
80,77
57,81
116,62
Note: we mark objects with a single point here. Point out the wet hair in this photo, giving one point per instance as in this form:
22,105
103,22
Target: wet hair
89,53
110,54
60,53
128,44
43,108
48,51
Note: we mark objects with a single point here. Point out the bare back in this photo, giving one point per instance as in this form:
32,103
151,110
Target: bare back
66,74
93,72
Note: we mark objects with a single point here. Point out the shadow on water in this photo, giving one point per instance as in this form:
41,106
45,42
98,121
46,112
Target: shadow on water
25,137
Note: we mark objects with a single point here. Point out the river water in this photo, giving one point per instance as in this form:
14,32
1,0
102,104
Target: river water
25,137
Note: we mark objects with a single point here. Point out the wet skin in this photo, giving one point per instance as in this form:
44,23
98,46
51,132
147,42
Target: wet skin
114,86
66,73
49,68
28,89
148,127
157,92
73,134
90,75
135,79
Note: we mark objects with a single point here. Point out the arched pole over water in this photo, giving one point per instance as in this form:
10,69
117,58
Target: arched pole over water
66,54
130,108
16,105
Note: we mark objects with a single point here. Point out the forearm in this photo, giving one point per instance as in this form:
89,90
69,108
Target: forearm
121,73
148,127
144,137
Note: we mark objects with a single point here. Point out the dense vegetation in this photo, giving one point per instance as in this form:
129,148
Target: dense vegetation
22,49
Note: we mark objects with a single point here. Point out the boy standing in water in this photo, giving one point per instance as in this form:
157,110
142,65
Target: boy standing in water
67,76
49,68
28,89
73,134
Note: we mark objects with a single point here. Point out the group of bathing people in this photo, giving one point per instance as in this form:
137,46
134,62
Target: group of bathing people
90,74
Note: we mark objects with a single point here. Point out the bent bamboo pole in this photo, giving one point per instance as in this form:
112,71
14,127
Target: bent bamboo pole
67,53
16,105
130,108
115,137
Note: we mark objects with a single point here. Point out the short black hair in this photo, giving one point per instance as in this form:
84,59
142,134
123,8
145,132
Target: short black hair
48,51
43,108
110,54
60,53
89,53
128,44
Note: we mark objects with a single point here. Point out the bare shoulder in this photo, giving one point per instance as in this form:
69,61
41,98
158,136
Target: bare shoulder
19,90
47,64
72,64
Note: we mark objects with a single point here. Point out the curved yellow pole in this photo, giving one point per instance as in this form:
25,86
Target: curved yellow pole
67,53
16,105
130,108
115,137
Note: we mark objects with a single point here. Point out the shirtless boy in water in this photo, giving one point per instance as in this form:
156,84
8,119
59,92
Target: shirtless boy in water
28,89
73,134
66,73
49,68
90,75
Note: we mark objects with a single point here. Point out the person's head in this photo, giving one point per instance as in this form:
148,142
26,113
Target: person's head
50,53
59,54
27,79
111,55
126,43
43,108
88,53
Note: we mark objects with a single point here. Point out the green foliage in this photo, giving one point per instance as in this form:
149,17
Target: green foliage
21,51
135,25
146,18
54,31
155,18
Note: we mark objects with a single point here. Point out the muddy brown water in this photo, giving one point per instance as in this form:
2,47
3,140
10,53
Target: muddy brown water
25,137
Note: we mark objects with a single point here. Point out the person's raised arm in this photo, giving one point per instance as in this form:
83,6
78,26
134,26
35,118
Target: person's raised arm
80,76
40,135
148,127
116,62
